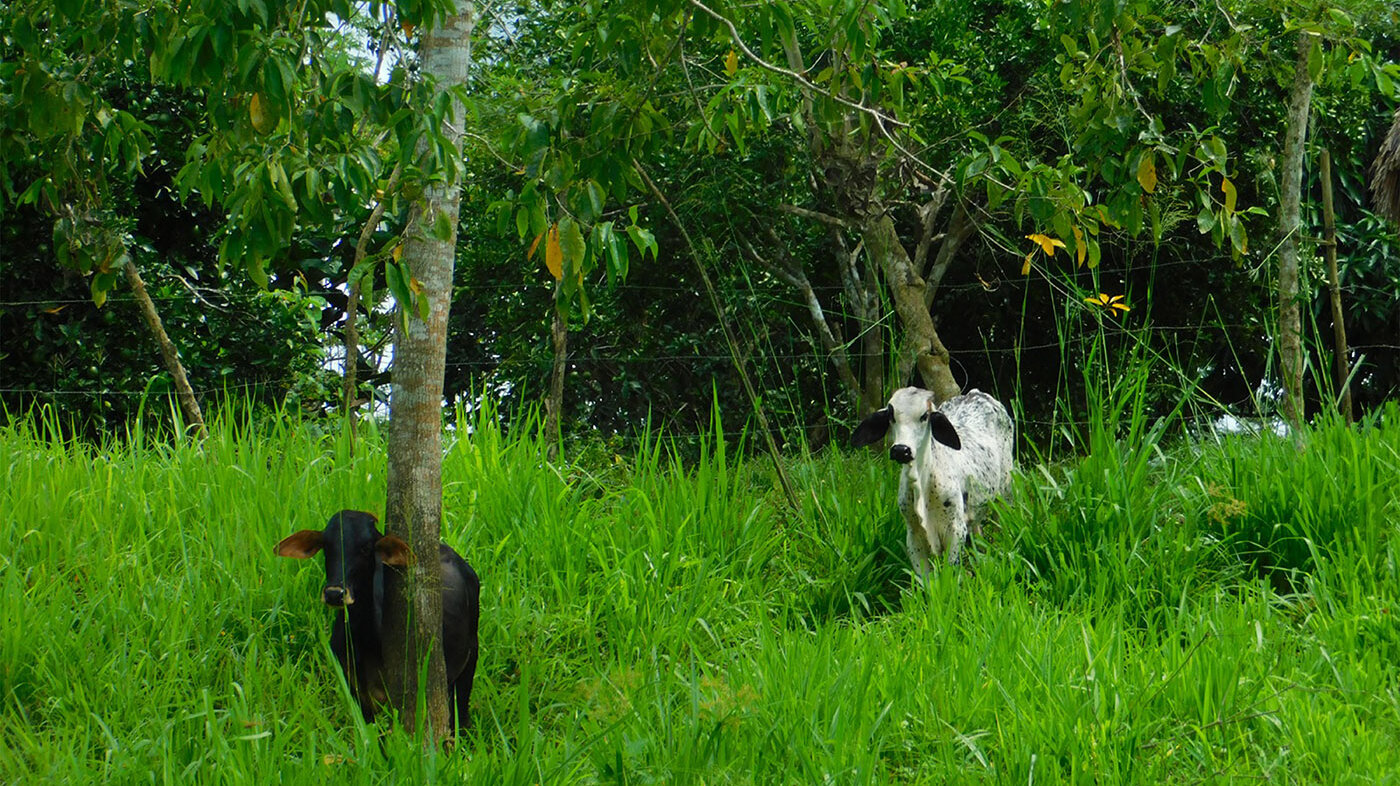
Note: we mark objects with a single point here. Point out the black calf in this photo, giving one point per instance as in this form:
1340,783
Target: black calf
356,556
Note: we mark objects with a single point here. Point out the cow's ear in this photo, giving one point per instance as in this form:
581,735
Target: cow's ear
943,430
873,428
393,551
300,545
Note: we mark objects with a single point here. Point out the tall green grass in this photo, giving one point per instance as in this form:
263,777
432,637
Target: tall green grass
649,619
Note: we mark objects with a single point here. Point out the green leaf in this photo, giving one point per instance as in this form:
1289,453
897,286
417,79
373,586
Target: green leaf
272,83
596,198
643,240
1315,61
572,244
257,270
1095,254
100,285
1239,242
443,226
396,277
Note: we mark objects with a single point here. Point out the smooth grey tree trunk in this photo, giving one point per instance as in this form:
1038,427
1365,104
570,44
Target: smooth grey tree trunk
413,510
1290,322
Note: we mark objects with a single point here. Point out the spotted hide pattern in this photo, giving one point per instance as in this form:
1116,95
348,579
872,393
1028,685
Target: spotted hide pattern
956,458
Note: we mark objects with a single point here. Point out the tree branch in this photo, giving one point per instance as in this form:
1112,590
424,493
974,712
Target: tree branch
928,216
876,114
824,218
959,230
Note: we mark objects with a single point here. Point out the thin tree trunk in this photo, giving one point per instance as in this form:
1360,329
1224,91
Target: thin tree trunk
1290,323
874,343
352,307
959,230
922,349
554,405
828,334
1334,284
413,509
183,393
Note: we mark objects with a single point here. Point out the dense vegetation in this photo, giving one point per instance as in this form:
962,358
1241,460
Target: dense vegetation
658,198
1047,119
1208,611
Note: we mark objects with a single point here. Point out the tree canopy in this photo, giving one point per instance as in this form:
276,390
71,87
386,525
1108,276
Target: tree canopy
977,195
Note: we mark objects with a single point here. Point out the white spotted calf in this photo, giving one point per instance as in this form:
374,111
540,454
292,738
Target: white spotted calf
957,459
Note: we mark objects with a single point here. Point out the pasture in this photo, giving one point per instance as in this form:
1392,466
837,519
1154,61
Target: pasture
1223,611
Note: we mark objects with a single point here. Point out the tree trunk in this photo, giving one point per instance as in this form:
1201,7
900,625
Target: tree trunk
413,510
828,333
873,345
959,230
1334,285
921,348
1290,324
183,393
554,405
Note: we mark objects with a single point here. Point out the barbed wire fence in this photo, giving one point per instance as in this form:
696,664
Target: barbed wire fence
780,362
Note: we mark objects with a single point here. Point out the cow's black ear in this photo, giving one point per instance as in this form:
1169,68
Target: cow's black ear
300,545
393,551
943,430
873,428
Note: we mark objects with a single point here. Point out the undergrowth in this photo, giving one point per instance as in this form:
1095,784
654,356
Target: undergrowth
1165,609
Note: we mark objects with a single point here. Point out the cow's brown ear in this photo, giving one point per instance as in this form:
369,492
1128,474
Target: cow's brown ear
393,551
300,545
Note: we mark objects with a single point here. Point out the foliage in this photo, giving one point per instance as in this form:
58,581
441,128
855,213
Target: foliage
648,619
1140,135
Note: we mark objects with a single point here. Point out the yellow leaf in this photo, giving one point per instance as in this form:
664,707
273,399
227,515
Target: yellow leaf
1147,173
536,244
553,254
1026,268
731,63
1047,244
397,253
1231,197
415,285
1081,249
257,113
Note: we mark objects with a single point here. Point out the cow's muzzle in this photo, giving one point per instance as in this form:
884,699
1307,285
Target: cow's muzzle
337,596
901,453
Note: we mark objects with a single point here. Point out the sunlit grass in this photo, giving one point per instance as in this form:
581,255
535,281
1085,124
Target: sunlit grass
1153,613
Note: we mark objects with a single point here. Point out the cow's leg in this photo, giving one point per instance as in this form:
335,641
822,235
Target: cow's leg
957,529
916,543
460,701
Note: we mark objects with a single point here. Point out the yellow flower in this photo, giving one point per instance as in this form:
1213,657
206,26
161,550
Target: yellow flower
1113,303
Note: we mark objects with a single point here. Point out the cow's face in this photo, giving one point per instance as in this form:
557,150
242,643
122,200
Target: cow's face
353,550
912,420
